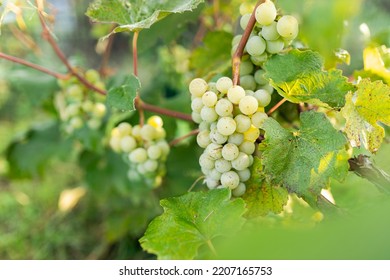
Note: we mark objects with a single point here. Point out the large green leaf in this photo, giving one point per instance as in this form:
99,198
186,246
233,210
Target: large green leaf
261,197
122,97
213,55
298,76
302,160
135,15
369,105
193,220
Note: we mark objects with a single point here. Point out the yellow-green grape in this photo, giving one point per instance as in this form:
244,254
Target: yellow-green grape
287,27
266,13
248,105
235,94
198,87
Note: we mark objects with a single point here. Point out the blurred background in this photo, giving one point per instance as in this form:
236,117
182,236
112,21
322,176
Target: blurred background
60,200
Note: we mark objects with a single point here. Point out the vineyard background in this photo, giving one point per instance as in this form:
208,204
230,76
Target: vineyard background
61,201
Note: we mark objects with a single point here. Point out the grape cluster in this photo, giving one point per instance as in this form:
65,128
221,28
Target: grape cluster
78,108
270,35
229,119
144,148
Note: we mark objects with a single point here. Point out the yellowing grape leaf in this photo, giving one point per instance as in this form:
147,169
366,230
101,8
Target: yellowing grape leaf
302,161
135,15
193,220
261,197
364,109
298,76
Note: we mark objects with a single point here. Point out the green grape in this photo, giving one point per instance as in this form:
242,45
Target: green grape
255,46
244,175
94,123
206,161
248,82
76,123
214,151
92,76
258,119
223,84
246,67
139,155
224,107
222,165
150,165
275,46
235,94
226,126
124,129
198,87
230,151
148,132
208,114
217,137
236,138
259,77
196,117
236,40
266,13
230,180
209,99
99,110
248,105
247,147
259,59
241,162
203,138
197,104
244,20
263,97
240,190
287,27
269,32
243,123
154,152
211,183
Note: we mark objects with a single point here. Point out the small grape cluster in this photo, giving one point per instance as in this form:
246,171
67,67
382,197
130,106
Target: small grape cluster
229,119
144,148
77,107
271,34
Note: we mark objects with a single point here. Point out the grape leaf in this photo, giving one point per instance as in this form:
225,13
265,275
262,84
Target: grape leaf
122,97
291,157
213,55
298,76
261,197
135,15
374,65
369,105
190,221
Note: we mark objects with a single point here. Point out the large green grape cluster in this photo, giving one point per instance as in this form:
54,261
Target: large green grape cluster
229,119
78,108
271,34
144,148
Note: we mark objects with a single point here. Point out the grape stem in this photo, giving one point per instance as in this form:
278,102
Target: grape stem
236,60
137,100
59,76
46,34
176,141
273,109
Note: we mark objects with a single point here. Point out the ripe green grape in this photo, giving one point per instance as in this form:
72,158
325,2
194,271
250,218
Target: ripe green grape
248,105
269,32
259,77
206,161
263,97
209,99
230,179
223,84
240,190
244,174
266,13
236,138
247,147
275,46
208,114
230,151
197,104
287,27
203,138
198,87
255,46
243,123
224,107
235,94
241,162
154,152
217,137
244,20
214,151
127,144
138,155
248,82
246,68
258,119
226,126
223,165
